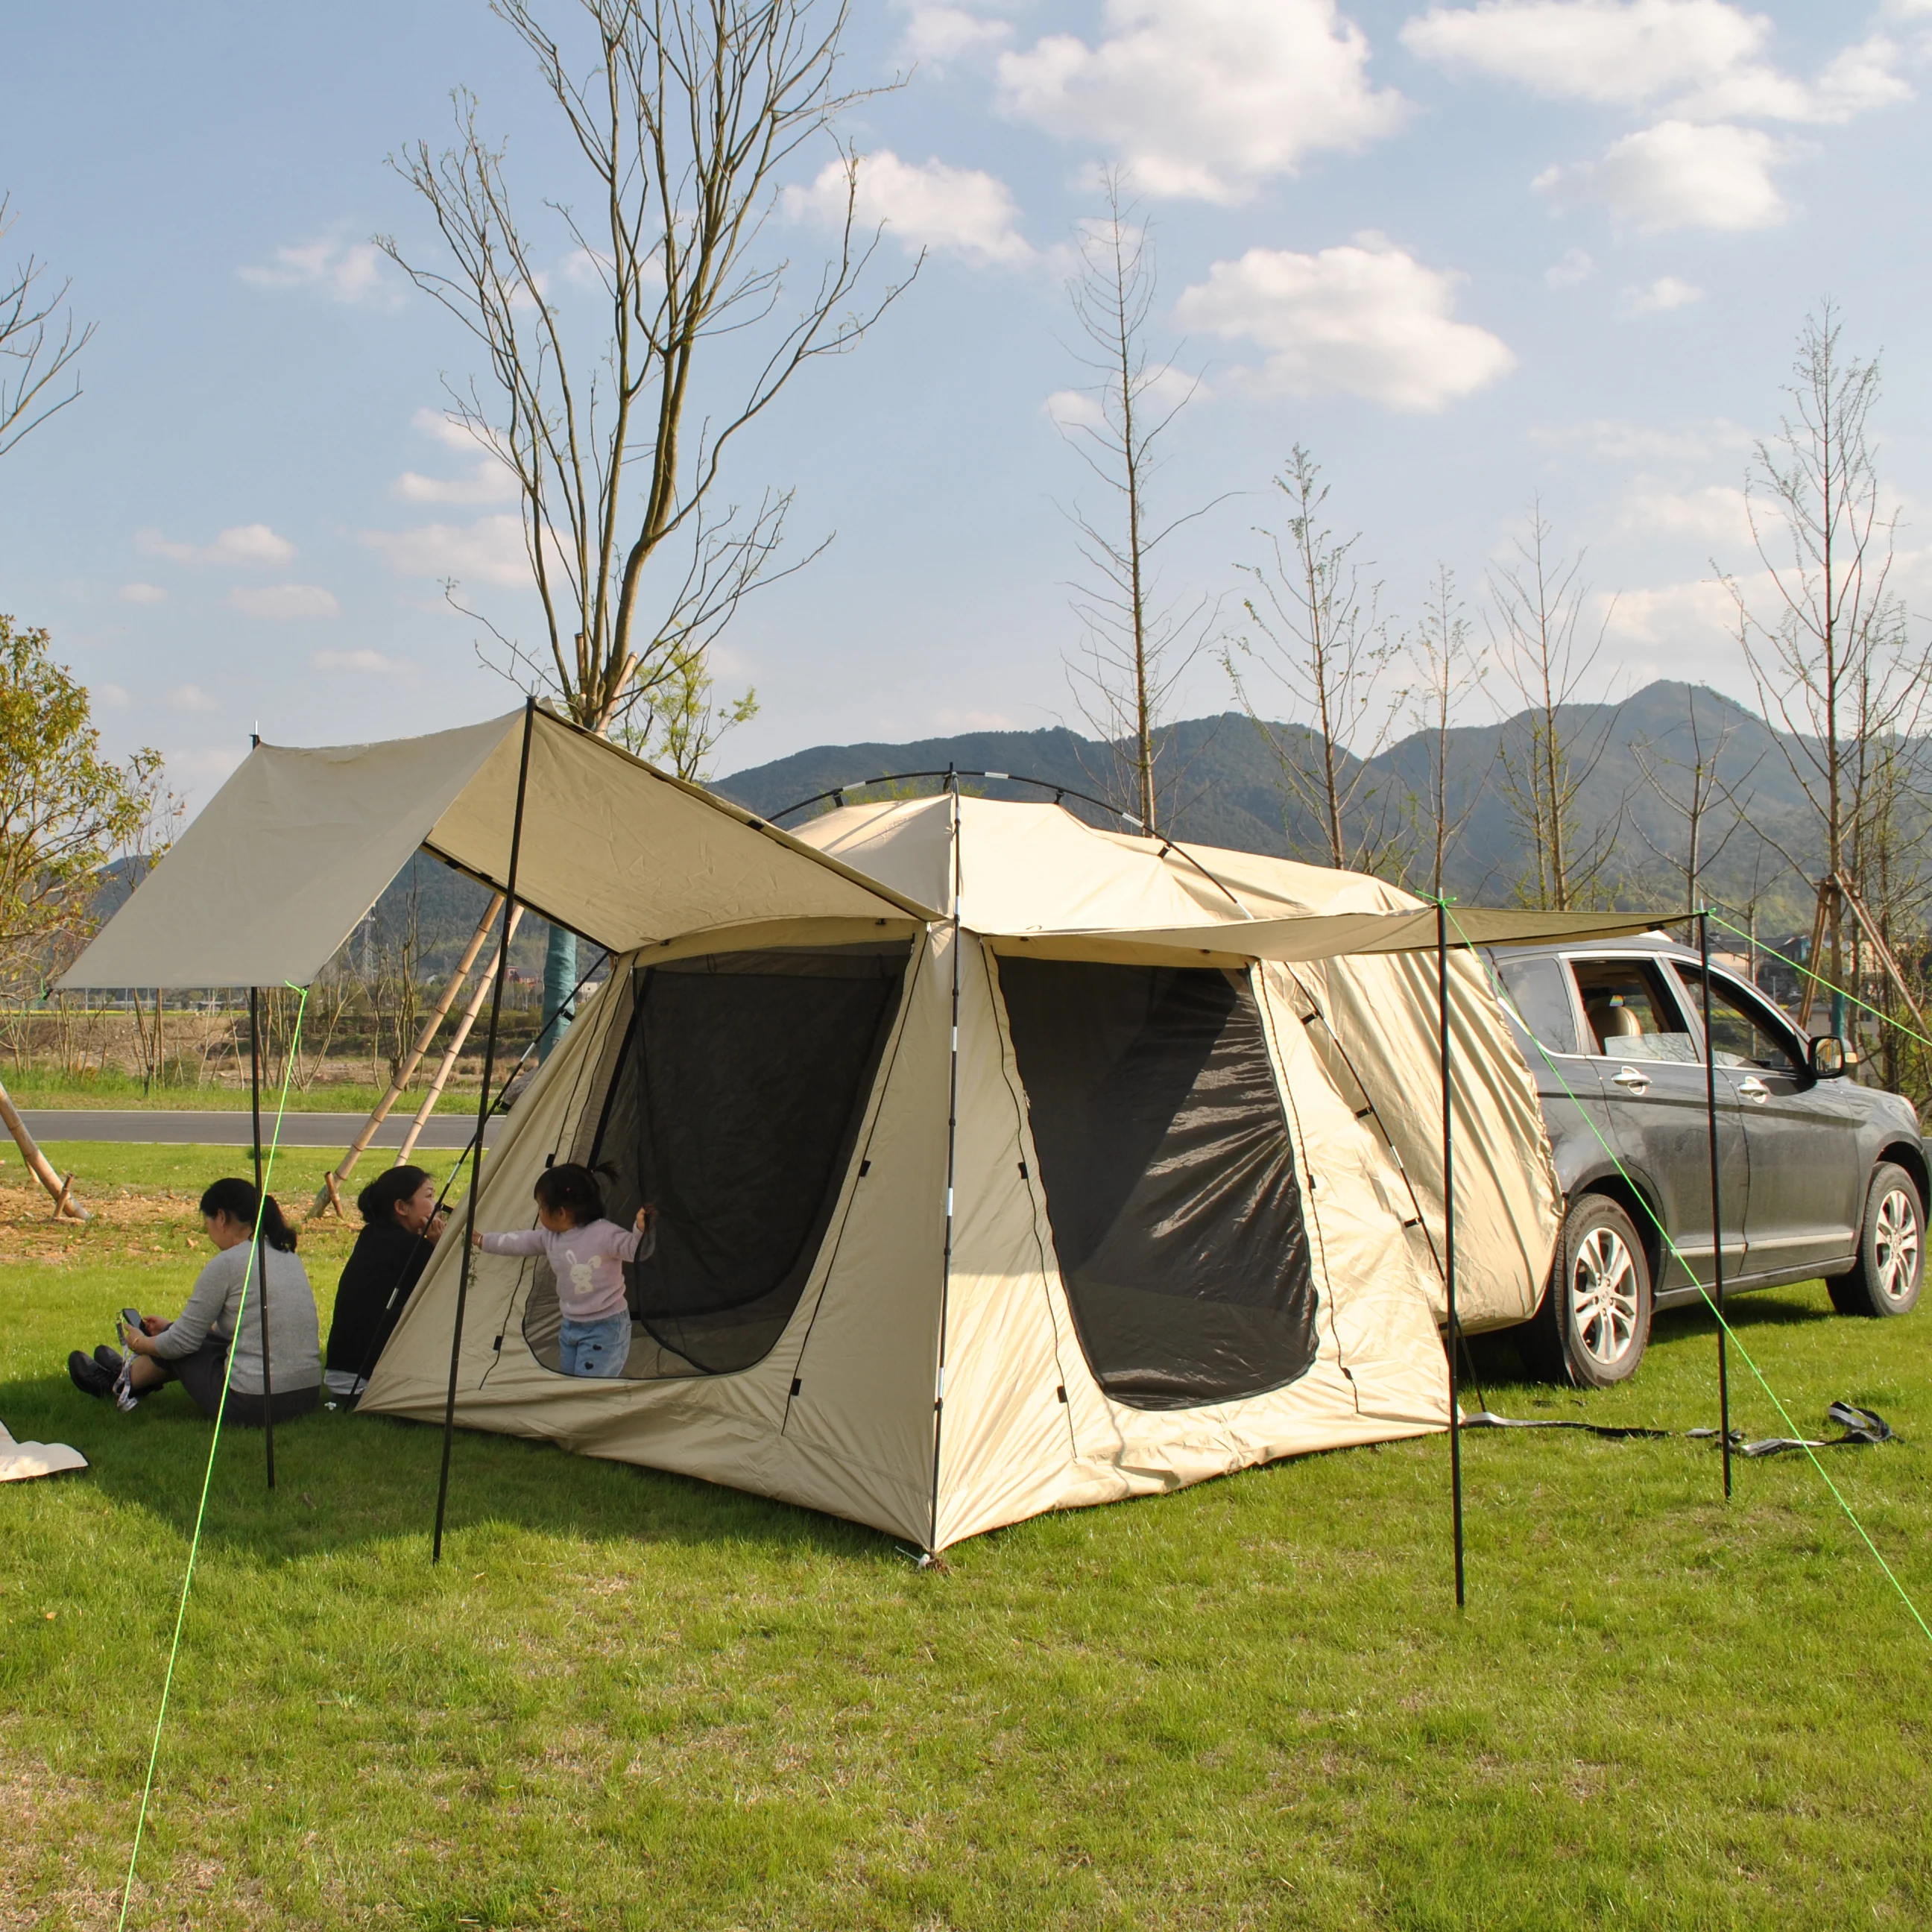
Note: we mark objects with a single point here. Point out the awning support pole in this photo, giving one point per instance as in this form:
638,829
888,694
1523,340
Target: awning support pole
1717,1201
261,1259
482,1121
1449,1241
952,1146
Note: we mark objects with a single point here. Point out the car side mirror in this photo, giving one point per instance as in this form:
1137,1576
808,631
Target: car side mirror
1827,1057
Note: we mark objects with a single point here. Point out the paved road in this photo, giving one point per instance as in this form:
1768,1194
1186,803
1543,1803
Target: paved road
228,1129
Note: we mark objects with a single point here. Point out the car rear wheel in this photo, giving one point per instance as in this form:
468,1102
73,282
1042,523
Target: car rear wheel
1891,1250
1594,1323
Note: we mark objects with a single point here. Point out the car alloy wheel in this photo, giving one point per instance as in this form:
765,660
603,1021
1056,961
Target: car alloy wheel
1603,1296
1895,1245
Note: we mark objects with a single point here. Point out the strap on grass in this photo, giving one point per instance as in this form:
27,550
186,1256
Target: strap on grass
214,1443
1731,1334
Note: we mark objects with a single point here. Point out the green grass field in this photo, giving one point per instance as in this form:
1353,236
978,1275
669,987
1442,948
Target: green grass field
629,1700
117,1091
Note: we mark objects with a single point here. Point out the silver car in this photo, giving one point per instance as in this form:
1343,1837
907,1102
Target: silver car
1819,1177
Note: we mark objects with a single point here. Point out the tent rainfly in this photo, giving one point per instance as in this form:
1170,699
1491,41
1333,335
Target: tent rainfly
1004,1164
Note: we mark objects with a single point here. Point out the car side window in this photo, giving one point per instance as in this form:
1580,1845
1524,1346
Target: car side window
1743,1033
1538,992
1632,1012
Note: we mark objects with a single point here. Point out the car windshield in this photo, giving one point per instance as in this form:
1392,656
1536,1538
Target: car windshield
1632,1012
1742,1034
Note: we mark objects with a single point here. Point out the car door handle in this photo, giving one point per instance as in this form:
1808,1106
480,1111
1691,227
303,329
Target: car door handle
1631,1081
1754,1089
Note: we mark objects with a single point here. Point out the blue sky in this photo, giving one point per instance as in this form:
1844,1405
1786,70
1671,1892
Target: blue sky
1468,254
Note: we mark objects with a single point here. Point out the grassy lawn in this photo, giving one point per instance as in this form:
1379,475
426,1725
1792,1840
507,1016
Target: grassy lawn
629,1700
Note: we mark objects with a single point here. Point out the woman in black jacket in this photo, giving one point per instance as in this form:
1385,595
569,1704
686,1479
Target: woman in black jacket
400,1228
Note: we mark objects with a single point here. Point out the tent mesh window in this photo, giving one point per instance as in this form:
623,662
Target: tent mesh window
733,1107
1169,1177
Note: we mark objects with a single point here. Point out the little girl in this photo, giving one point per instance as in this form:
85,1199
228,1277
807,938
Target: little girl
586,1253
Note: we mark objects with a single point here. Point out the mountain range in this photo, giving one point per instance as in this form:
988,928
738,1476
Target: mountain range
1223,784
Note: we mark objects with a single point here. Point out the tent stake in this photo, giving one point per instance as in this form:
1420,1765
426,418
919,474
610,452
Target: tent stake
261,1259
1716,1213
1449,1241
482,1121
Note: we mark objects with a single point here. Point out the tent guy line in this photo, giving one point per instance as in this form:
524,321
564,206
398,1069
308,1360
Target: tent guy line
250,1273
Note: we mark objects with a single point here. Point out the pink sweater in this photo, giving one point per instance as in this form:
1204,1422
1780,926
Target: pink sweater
588,1263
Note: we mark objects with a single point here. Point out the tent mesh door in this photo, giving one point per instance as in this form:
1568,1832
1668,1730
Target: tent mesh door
734,1106
1169,1177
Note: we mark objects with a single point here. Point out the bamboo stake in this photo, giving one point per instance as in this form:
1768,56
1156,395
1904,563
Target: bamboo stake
477,996
42,1169
329,1194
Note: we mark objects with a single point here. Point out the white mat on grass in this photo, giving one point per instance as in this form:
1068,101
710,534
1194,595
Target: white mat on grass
20,1460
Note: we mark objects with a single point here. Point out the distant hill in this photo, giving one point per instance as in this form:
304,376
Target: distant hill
1223,786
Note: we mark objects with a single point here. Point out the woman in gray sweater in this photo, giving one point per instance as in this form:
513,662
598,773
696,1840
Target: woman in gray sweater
195,1347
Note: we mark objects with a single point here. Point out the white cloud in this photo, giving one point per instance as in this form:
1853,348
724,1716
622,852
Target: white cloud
489,550
452,432
284,603
113,696
963,211
344,272
189,697
1620,52
1667,292
1366,318
1715,515
142,593
1674,613
244,544
374,663
938,33
1207,98
1616,439
1677,174
489,483
1576,267
1701,56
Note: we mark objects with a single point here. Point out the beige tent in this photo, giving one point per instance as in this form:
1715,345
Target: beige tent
936,1376
1004,1165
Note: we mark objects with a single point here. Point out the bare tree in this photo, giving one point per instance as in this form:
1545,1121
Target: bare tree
1316,635
1134,648
1538,605
1829,647
1448,670
1695,792
682,116
36,348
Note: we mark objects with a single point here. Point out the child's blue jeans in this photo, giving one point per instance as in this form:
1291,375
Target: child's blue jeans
599,1347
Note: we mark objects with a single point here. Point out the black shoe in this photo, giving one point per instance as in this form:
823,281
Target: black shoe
112,1360
89,1377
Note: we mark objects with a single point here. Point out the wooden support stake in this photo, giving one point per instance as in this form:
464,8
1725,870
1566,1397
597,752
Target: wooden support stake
328,1194
1809,993
1886,957
448,1066
38,1164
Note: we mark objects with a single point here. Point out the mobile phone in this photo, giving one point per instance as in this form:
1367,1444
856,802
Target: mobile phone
130,1322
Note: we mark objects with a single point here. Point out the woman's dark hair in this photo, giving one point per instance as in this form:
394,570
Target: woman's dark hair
237,1200
388,1192
569,1189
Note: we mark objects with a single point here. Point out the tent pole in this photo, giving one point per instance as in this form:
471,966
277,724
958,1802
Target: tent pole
1717,1211
1449,1241
482,1121
952,1146
261,1259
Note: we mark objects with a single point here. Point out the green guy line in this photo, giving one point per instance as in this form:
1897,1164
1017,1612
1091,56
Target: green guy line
1819,979
1731,1334
207,1475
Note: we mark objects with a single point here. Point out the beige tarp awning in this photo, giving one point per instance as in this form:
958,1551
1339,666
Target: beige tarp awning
1302,938
270,880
